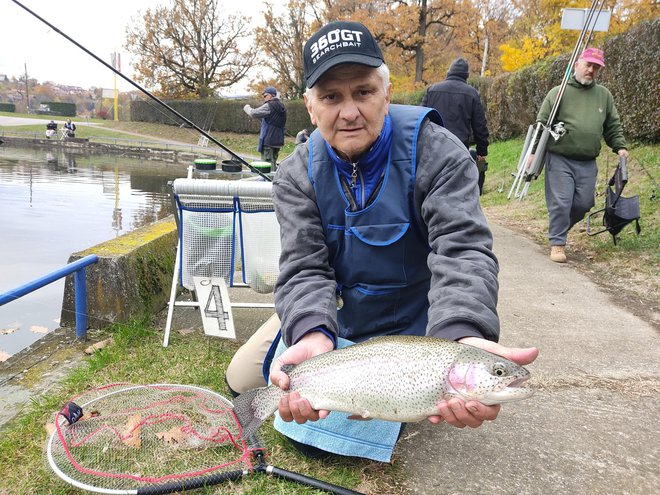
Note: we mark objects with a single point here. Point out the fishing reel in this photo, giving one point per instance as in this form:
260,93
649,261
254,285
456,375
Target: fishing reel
557,131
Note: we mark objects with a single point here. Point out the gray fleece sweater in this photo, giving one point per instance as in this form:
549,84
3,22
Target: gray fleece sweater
464,285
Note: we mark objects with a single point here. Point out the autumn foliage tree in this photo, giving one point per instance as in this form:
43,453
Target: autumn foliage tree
189,50
280,40
536,31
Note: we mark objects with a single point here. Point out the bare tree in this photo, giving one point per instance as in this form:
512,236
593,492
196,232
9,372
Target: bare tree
190,49
281,42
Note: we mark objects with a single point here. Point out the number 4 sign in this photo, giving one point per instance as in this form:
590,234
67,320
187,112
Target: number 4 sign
215,307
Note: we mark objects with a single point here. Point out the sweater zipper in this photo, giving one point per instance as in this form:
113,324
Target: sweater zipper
354,175
359,194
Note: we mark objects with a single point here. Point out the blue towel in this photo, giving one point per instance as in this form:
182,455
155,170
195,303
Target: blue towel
374,439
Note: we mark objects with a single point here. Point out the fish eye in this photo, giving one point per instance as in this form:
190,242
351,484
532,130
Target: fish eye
499,369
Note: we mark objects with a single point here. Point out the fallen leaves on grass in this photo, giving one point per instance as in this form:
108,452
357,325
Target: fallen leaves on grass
131,435
99,345
172,436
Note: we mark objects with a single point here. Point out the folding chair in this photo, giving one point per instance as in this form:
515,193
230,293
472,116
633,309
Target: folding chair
227,231
619,211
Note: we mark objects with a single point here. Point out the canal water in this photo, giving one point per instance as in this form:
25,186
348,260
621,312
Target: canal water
55,203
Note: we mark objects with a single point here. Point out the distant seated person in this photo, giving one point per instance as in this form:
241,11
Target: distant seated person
69,129
51,129
302,136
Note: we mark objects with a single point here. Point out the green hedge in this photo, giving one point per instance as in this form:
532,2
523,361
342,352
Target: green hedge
511,100
219,115
632,75
61,108
7,107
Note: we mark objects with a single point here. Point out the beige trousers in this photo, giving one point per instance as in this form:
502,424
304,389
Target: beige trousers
245,369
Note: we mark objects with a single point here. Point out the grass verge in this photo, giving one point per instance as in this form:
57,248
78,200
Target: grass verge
137,356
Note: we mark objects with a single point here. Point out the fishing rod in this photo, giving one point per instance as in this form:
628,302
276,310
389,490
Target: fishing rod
542,132
150,95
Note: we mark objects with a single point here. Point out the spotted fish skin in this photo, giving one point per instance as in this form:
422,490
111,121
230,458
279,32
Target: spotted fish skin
395,378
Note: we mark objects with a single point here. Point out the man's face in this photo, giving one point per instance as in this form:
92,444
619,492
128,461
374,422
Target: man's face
586,72
348,105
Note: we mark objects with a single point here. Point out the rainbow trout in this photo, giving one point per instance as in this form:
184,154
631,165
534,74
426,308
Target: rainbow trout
396,378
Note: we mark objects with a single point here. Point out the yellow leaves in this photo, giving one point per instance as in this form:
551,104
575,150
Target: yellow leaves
50,429
529,51
99,345
4,356
172,436
131,434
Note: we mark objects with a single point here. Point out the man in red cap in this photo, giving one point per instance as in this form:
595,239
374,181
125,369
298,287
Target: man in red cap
586,114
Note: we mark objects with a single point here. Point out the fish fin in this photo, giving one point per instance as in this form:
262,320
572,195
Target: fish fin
358,417
254,406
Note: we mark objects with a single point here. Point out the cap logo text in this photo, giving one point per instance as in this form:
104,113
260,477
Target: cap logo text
333,40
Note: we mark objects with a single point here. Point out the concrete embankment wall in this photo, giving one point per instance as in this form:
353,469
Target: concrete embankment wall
132,278
141,149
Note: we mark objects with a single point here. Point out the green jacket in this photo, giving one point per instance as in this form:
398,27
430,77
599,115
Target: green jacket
588,113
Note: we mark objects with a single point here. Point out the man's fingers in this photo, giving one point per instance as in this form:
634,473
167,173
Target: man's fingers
520,355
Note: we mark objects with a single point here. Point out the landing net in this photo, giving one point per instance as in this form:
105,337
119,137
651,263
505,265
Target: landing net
132,436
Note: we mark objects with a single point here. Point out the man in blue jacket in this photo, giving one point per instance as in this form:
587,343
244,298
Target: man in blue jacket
381,233
273,122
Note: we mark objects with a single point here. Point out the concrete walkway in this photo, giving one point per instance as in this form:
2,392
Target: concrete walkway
593,427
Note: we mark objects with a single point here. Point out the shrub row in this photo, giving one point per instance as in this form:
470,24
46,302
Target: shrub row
511,100
219,115
7,107
58,108
631,74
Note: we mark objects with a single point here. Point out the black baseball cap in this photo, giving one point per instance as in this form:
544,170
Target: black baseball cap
339,42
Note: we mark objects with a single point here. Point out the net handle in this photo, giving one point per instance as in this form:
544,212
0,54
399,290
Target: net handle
191,484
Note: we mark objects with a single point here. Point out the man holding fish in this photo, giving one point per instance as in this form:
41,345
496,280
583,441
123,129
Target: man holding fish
382,235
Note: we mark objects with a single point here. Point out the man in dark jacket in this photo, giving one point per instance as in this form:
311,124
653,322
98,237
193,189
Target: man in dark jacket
273,120
460,106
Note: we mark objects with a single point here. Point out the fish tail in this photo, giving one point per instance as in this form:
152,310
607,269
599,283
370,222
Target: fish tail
254,406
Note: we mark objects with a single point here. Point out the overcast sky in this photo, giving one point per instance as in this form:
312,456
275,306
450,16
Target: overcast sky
98,26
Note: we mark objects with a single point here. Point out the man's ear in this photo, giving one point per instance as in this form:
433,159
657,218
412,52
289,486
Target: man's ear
308,104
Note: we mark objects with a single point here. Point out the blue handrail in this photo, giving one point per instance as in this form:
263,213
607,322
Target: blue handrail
80,289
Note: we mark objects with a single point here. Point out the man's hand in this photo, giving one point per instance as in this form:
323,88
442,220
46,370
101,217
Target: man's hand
530,159
459,413
623,152
292,407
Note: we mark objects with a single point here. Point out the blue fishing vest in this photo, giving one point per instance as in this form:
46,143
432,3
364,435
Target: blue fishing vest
379,253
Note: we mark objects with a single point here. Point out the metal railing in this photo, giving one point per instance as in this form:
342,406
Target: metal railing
80,289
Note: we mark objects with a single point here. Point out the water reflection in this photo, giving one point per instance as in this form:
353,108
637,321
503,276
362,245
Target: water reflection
56,202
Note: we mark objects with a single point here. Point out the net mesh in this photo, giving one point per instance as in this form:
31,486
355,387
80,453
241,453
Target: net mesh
133,436
229,237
